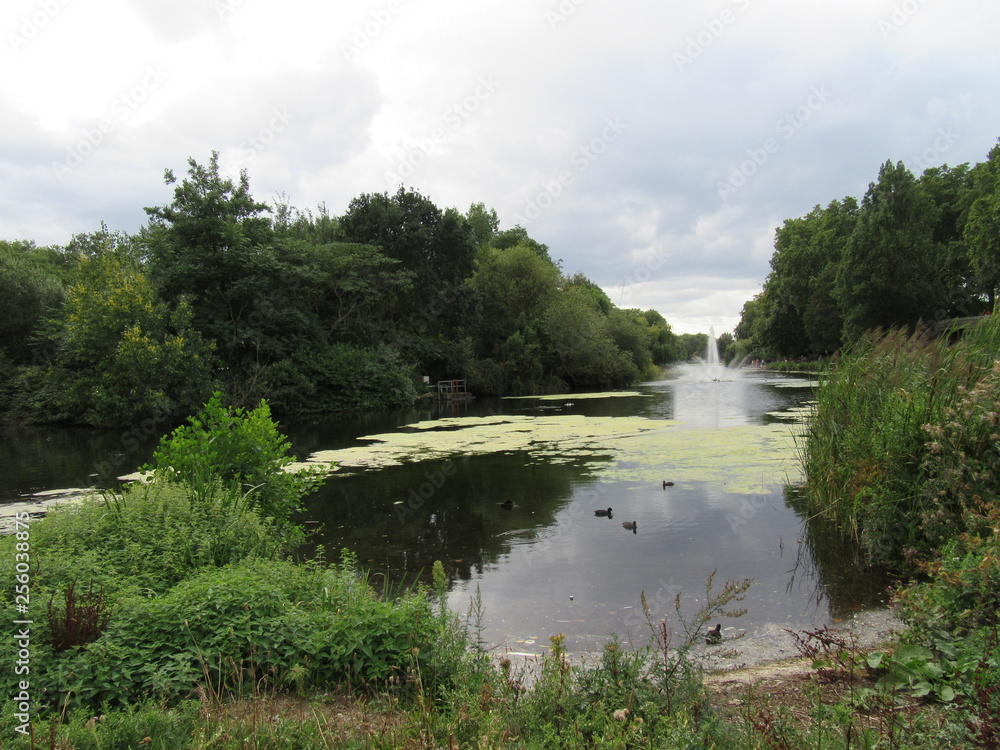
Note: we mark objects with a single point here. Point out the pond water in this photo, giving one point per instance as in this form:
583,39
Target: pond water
504,494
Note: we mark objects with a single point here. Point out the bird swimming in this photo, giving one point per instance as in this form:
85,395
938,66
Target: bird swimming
714,635
507,504
630,525
600,512
667,484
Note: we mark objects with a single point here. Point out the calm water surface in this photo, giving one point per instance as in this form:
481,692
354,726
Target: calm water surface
547,565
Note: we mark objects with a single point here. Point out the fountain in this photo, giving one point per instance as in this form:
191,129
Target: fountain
714,369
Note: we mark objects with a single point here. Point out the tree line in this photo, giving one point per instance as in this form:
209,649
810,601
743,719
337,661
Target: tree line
314,312
915,249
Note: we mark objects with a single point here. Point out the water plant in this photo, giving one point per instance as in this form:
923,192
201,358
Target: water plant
879,411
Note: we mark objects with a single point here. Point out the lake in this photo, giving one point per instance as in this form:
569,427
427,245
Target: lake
503,492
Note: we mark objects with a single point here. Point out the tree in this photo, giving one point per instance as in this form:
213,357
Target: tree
808,252
437,247
981,232
582,346
950,188
123,354
30,289
483,224
518,236
889,274
513,287
213,246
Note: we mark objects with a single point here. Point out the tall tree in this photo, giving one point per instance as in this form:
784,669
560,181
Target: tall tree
212,245
982,228
889,273
30,289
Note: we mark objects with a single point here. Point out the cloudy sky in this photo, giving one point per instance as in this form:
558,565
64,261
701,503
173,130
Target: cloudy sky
652,145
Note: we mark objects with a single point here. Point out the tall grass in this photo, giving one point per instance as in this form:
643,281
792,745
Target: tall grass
865,447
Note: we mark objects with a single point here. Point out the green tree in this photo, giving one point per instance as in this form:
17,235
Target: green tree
889,274
436,246
513,287
516,236
30,289
981,231
483,224
123,354
212,244
582,346
950,188
808,252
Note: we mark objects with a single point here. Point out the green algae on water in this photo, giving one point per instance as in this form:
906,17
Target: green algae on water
745,459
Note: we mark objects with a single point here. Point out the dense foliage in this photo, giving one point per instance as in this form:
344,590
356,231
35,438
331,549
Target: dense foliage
907,487
315,313
915,249
903,453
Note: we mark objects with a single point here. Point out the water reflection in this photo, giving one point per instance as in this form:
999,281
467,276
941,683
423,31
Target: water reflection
547,564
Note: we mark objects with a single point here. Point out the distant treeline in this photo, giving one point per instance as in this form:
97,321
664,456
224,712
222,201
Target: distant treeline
916,249
316,313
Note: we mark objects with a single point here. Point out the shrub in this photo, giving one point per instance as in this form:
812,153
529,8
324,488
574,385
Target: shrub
149,537
238,447
248,626
879,411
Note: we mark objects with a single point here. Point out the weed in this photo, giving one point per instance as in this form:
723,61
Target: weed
82,620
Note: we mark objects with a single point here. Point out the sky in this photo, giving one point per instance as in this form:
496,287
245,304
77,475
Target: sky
654,146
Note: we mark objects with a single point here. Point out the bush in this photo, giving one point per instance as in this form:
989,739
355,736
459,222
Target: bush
239,447
148,538
249,626
867,443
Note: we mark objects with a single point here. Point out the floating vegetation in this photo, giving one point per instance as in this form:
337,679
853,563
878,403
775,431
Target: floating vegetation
577,396
744,458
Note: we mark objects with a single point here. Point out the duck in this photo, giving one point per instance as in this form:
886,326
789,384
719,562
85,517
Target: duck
714,635
667,484
631,526
600,512
507,504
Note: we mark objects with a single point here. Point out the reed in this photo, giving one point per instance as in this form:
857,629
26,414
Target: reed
865,446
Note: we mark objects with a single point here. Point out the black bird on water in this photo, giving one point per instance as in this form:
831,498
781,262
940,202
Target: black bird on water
507,504
631,526
667,484
603,512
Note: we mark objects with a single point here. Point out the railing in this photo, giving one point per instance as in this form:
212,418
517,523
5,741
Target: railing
452,389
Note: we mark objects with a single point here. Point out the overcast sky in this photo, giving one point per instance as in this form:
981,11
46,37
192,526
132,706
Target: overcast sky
652,145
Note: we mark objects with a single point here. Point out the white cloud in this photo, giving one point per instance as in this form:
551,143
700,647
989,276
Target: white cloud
324,102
